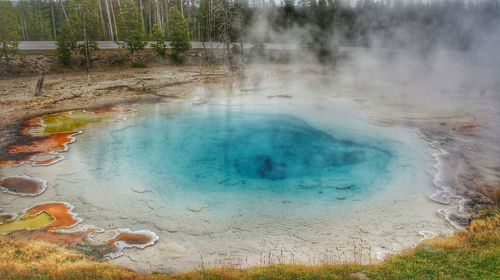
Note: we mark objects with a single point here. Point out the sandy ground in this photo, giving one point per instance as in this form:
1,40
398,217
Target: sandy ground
72,91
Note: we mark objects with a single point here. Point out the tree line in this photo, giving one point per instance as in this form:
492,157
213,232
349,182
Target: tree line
454,23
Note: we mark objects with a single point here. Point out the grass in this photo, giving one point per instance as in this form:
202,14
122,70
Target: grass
473,253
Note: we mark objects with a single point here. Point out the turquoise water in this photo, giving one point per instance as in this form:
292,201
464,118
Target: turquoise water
235,151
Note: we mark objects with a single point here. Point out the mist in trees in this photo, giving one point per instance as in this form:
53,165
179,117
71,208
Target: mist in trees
41,19
319,26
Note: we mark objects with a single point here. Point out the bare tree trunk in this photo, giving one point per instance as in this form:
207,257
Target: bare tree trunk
166,16
150,16
141,10
64,10
39,85
182,8
86,46
101,14
114,18
23,27
222,12
109,20
206,56
195,23
38,19
53,20
159,20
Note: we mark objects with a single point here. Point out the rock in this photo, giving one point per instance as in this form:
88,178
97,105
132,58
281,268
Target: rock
360,276
478,202
462,220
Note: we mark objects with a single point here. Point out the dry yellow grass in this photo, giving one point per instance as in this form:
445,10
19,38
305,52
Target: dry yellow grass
470,254
37,260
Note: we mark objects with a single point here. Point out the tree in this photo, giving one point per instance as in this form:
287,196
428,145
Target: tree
179,34
66,44
158,38
85,25
9,30
222,12
131,27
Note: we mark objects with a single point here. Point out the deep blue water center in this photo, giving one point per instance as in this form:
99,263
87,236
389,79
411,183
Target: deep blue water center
282,147
230,150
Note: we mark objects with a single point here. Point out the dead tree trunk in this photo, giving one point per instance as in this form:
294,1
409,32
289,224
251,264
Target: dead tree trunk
86,46
109,20
39,85
64,10
104,29
141,10
222,11
114,19
54,32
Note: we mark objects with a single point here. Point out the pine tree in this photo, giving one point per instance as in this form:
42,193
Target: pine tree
131,28
158,38
86,27
179,34
9,30
66,44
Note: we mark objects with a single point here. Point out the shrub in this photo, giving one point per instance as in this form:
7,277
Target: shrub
139,64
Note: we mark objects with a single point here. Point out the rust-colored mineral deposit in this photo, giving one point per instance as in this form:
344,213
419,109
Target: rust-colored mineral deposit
52,143
126,238
23,185
61,213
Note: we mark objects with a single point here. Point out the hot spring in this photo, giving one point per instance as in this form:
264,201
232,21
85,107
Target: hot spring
220,149
241,178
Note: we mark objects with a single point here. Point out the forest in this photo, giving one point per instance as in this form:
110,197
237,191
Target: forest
318,27
452,23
